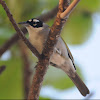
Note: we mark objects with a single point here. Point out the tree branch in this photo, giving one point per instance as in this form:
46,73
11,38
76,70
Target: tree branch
44,17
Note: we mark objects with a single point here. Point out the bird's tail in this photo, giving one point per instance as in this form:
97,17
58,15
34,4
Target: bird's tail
80,84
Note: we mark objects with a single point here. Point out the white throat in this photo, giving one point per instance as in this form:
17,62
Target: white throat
37,37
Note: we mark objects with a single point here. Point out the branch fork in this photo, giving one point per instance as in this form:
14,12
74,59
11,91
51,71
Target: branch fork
70,8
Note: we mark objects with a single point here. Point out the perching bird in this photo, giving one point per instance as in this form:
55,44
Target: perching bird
61,57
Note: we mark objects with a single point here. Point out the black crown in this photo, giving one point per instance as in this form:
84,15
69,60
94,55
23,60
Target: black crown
36,23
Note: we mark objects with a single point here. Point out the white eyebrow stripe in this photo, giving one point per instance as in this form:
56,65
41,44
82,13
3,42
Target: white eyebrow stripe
35,20
30,20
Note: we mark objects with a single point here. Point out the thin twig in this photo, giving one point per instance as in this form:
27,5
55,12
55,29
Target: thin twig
2,68
44,17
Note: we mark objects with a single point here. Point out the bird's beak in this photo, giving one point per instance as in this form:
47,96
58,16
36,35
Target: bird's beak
24,24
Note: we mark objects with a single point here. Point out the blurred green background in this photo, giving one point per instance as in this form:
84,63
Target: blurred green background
77,31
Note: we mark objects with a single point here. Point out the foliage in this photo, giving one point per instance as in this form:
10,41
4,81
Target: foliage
11,80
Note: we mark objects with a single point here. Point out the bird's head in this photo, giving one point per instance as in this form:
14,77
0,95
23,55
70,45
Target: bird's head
35,23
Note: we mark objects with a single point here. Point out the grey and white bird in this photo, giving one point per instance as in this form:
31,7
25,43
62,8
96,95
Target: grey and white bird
61,57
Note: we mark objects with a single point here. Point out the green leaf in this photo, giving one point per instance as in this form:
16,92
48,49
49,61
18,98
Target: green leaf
78,28
2,13
11,80
89,5
5,33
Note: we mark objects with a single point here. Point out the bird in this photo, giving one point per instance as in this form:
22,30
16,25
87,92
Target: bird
61,57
